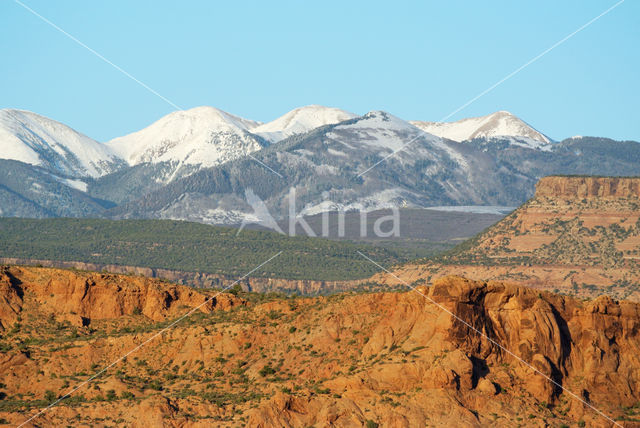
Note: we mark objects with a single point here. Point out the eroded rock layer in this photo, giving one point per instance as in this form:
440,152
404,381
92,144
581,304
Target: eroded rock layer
460,352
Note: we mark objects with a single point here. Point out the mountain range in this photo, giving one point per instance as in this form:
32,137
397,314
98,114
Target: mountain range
210,166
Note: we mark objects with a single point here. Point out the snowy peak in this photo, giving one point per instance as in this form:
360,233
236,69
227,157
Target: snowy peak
38,140
301,120
498,124
383,120
382,133
204,136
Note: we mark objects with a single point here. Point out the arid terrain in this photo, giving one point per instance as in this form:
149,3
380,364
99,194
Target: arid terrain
578,236
332,215
260,360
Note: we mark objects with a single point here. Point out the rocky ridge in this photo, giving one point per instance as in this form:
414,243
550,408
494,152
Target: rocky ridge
203,279
95,296
588,187
393,359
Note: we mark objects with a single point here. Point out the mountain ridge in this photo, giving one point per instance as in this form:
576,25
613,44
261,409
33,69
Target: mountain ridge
301,120
202,161
37,140
499,124
187,136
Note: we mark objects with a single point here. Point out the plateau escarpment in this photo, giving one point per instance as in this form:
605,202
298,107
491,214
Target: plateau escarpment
578,235
208,280
393,359
588,187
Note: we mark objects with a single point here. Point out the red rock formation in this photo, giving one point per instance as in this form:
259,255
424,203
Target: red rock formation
597,341
10,299
76,295
200,279
588,187
396,359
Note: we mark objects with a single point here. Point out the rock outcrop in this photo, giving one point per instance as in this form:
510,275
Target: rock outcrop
10,299
201,279
596,341
588,187
79,297
461,352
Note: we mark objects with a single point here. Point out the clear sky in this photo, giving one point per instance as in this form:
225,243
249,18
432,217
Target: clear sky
418,60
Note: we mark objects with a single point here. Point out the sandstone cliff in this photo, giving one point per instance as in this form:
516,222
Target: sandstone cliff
395,359
588,187
202,279
85,296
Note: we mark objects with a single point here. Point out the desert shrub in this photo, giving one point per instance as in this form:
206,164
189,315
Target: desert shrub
267,370
50,396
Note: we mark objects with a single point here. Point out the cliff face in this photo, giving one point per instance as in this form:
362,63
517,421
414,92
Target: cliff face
588,187
392,358
598,340
578,235
10,300
80,297
201,279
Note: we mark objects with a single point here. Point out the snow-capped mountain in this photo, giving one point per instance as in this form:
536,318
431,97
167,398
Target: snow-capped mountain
372,162
193,164
38,140
390,133
498,124
331,169
204,136
301,120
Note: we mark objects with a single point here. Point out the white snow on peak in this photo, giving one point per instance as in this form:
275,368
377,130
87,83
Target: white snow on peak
301,120
384,130
38,140
203,136
382,120
498,124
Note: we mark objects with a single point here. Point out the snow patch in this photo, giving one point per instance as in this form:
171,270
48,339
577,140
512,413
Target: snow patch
384,199
476,209
336,152
75,184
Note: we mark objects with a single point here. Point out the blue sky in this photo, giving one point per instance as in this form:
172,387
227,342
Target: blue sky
418,60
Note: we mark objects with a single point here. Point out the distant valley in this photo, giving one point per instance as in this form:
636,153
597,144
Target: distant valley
208,256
